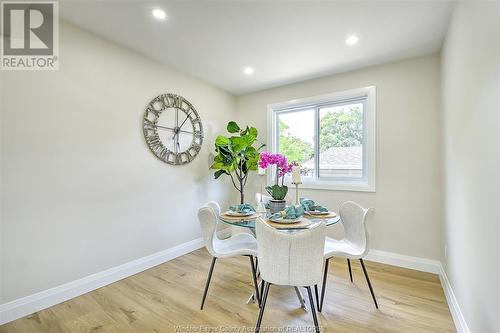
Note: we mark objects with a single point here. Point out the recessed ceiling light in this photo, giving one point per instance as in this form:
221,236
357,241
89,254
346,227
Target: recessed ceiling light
248,70
352,39
159,14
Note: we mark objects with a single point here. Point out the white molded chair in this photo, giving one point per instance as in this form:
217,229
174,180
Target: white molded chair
354,245
242,244
290,259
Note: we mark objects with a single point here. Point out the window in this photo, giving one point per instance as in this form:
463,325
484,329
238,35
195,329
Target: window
331,136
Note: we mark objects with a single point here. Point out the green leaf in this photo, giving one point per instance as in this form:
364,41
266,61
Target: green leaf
225,151
252,164
218,166
219,173
253,131
251,153
250,139
277,192
244,132
232,127
244,168
222,140
238,143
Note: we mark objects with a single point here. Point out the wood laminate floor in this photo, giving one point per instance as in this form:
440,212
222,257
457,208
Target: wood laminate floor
167,298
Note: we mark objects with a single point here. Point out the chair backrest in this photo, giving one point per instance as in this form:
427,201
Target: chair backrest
215,206
353,218
208,216
290,258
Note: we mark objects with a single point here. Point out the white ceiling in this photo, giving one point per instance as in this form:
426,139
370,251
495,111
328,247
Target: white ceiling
284,41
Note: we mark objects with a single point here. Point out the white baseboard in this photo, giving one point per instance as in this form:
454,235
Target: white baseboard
24,306
27,305
456,313
430,266
400,260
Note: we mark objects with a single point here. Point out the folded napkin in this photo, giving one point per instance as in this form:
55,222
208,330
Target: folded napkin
243,208
310,206
291,212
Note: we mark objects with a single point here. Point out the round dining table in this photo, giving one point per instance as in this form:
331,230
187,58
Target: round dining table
249,223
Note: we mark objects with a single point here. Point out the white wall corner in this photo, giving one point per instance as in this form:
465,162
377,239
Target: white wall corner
456,313
430,266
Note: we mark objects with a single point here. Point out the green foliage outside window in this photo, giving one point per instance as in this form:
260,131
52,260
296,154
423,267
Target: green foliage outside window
337,129
341,129
294,148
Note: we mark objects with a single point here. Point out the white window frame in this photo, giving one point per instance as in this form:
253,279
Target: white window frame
365,184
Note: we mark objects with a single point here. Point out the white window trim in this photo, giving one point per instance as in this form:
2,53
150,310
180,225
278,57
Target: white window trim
367,184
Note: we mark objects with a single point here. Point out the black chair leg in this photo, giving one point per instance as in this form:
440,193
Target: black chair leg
208,282
257,267
261,290
350,271
254,277
262,305
369,283
317,295
323,288
313,309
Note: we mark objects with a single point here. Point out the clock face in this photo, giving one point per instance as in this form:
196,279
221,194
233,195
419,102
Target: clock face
173,129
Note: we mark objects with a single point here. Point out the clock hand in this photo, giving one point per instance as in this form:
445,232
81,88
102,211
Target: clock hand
173,129
165,127
175,146
185,119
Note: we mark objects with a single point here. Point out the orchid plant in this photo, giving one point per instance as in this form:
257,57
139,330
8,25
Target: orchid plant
267,159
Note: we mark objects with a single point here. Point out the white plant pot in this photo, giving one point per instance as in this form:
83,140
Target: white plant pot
277,205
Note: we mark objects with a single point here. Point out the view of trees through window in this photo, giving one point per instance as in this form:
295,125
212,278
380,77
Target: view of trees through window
340,140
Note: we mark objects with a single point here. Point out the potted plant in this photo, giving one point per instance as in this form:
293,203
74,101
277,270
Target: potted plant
278,192
236,155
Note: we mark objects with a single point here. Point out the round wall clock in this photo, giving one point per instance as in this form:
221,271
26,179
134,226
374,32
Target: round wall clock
172,129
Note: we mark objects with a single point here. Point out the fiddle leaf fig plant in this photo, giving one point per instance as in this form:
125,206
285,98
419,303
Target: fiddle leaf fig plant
236,155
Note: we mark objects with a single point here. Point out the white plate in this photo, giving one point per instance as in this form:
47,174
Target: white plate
232,213
313,212
285,221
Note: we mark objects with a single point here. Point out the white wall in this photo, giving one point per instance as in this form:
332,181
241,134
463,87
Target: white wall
81,191
1,187
408,197
471,96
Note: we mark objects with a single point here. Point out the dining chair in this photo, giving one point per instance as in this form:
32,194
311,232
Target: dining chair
289,259
241,244
354,245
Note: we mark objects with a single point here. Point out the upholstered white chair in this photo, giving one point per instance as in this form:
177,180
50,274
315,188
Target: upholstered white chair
290,259
242,244
354,245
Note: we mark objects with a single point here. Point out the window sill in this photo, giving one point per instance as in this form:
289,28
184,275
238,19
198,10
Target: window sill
336,186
